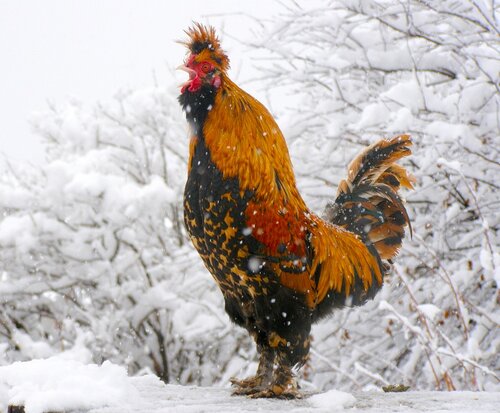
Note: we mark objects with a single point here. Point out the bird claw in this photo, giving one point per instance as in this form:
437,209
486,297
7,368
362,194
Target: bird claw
247,391
276,392
248,386
281,385
249,382
253,388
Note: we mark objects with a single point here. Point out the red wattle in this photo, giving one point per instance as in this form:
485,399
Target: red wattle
195,84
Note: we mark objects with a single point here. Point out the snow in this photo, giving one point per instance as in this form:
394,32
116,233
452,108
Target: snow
58,383
33,349
333,399
486,260
254,264
17,231
448,130
372,115
449,164
402,120
429,310
407,94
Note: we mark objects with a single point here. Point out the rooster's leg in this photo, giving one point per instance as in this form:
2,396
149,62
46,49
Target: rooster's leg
290,352
283,385
263,377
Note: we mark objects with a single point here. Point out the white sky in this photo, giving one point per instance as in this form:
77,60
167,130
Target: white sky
53,50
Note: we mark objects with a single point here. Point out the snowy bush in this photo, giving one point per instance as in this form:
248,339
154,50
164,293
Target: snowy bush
360,70
93,250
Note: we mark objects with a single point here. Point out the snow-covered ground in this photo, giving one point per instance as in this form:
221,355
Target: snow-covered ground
160,398
62,383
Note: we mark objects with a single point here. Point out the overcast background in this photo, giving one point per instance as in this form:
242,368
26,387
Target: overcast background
56,50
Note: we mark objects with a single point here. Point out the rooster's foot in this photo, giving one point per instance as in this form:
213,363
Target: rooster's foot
249,382
277,392
250,385
247,391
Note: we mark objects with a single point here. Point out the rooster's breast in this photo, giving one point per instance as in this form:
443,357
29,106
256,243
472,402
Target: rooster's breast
214,214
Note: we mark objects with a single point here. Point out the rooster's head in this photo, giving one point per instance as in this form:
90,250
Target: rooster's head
206,61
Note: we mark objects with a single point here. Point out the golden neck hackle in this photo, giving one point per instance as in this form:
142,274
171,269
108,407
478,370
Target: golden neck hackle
245,142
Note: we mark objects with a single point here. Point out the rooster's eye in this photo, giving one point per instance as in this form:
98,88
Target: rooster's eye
206,67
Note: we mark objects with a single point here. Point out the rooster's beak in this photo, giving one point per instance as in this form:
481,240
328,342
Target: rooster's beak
192,75
187,69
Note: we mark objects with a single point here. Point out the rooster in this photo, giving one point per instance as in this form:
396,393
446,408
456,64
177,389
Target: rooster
279,266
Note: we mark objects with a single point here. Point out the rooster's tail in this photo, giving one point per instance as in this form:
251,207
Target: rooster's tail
368,202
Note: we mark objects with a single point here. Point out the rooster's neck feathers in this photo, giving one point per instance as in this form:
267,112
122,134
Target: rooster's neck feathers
245,142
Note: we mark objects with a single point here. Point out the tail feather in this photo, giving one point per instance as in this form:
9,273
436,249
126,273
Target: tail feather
368,202
370,164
